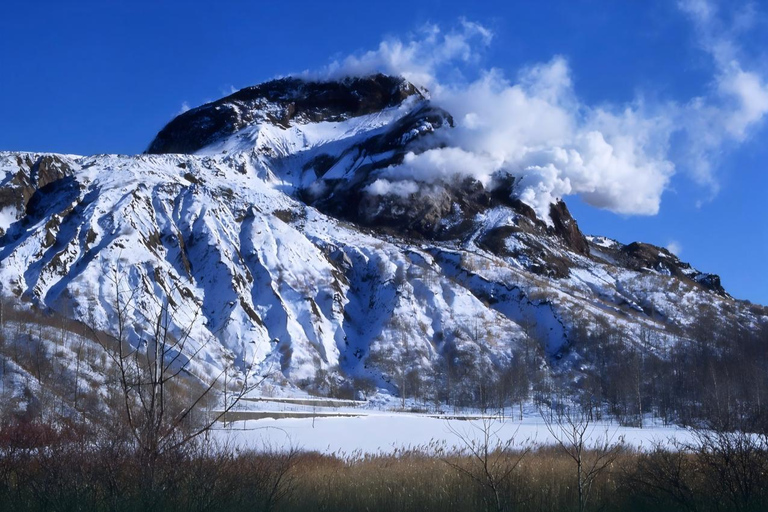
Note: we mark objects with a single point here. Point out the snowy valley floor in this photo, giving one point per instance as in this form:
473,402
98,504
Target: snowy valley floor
357,429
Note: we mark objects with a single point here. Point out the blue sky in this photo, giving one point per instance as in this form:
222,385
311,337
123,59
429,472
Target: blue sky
104,77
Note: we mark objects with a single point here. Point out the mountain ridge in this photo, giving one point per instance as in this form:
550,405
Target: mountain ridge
275,243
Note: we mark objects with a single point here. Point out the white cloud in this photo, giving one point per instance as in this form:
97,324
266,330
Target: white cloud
184,107
701,9
534,126
738,103
750,93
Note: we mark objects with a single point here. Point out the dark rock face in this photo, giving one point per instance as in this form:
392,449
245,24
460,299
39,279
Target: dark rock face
565,227
537,257
281,102
34,175
436,212
448,211
640,256
540,244
710,282
31,190
47,169
348,199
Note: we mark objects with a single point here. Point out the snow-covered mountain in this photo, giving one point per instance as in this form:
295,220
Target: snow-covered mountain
266,221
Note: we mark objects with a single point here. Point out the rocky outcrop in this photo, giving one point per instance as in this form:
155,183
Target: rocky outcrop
282,102
641,256
566,228
35,175
648,258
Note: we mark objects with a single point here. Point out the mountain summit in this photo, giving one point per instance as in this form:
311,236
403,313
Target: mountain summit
284,102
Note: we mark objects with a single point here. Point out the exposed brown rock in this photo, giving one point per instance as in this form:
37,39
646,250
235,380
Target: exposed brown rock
567,228
281,102
640,256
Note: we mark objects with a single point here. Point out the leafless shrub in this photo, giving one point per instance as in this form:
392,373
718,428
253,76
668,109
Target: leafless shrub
573,428
488,461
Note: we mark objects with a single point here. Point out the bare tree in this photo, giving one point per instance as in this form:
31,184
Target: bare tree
733,459
722,467
163,406
664,477
574,431
486,459
394,364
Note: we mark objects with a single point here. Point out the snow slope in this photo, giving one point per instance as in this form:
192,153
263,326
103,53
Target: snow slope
265,242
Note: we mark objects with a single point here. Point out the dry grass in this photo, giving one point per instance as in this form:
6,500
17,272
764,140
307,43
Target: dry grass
411,480
79,477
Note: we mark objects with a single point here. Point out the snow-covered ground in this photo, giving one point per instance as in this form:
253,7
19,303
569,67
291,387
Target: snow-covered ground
387,432
350,431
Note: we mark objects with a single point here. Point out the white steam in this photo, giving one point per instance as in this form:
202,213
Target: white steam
537,129
403,188
675,247
419,59
534,127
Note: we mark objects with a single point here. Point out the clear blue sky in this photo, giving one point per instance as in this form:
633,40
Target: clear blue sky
104,77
